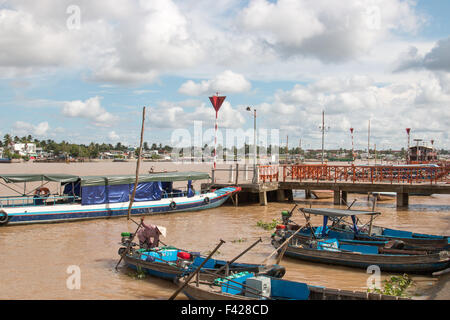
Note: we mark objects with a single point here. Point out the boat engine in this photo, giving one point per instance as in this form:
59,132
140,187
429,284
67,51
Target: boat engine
285,217
126,239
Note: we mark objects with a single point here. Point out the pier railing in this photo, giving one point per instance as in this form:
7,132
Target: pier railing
340,173
366,174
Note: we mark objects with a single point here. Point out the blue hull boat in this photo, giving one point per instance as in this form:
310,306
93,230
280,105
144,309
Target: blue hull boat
87,197
333,251
171,263
354,232
250,286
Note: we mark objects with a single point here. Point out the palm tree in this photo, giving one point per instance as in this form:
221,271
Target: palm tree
7,140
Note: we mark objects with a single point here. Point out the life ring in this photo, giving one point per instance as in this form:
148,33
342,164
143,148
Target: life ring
42,192
3,217
173,205
206,200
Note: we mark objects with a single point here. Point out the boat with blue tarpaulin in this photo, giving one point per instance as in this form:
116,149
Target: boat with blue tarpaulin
347,227
105,196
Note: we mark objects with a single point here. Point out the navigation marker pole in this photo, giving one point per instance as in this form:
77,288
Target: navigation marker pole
137,165
217,103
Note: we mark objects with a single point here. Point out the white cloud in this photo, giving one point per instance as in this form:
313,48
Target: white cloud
437,59
225,82
90,109
25,128
172,115
113,136
138,41
352,102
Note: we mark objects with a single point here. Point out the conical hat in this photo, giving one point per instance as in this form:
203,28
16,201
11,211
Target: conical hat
162,230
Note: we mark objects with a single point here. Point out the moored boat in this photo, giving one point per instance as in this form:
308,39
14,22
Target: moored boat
358,233
250,286
88,197
170,263
333,251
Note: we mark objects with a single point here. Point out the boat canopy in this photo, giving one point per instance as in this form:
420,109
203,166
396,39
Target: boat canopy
129,179
329,212
18,178
106,179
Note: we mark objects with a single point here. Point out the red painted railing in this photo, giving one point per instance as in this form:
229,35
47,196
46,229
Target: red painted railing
366,174
268,173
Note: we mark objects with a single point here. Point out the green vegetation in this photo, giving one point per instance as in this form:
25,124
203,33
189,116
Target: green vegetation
67,149
137,275
395,286
239,240
268,225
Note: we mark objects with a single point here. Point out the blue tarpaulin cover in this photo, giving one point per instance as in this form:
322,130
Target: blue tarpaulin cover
146,191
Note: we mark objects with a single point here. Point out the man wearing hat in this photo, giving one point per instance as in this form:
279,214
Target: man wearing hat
146,234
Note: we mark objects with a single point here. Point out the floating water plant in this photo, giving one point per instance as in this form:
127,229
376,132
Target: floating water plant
268,225
395,286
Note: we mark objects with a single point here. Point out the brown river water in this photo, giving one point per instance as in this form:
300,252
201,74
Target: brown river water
35,258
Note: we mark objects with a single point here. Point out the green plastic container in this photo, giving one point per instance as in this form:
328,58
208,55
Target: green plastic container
284,213
125,234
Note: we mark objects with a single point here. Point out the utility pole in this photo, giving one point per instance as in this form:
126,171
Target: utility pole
368,144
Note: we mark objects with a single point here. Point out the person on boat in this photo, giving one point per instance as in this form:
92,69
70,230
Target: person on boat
146,234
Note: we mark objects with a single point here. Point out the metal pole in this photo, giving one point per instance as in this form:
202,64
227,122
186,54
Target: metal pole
215,142
255,173
368,144
323,133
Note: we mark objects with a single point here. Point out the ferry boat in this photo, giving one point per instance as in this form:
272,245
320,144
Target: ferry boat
89,197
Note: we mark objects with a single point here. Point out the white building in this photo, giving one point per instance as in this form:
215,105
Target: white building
24,149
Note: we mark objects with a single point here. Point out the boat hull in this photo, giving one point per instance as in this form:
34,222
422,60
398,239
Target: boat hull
75,212
206,292
395,263
171,272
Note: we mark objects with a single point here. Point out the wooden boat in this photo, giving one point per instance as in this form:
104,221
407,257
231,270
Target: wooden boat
333,251
355,232
88,197
384,196
322,194
249,286
170,263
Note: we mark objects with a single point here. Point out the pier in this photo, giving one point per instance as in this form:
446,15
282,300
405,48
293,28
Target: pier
276,183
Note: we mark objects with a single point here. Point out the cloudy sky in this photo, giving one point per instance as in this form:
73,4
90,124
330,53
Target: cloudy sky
81,71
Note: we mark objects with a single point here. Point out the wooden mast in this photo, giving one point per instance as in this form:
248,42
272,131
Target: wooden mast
137,165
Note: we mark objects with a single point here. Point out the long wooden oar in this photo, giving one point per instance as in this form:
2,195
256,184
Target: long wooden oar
129,245
282,245
173,296
238,256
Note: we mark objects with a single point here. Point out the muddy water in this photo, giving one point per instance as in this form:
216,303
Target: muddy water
34,259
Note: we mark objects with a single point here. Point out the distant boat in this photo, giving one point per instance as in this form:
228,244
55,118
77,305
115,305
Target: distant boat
384,196
120,160
89,197
322,194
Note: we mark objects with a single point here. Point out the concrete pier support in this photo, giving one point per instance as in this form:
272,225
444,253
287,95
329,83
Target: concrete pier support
402,200
307,194
281,196
337,197
263,198
344,197
289,194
